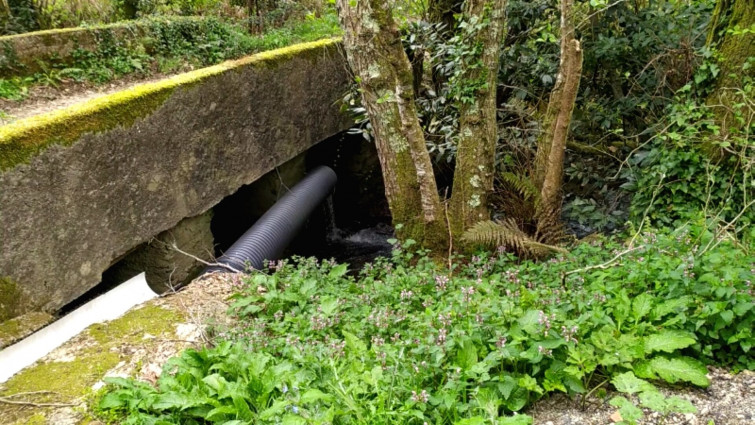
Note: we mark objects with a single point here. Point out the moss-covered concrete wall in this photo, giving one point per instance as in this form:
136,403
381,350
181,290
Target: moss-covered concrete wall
26,54
82,186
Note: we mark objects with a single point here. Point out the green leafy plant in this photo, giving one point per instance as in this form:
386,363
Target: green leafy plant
409,341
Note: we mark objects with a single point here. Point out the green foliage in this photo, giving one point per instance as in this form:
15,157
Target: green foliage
693,164
407,341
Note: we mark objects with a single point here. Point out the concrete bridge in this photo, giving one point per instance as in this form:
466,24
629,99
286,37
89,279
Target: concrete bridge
82,187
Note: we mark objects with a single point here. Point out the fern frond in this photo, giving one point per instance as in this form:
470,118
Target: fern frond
524,185
507,233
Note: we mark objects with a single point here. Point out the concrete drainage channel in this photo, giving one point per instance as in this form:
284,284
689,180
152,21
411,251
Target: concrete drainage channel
266,240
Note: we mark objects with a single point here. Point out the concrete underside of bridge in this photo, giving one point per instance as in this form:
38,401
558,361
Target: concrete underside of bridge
80,188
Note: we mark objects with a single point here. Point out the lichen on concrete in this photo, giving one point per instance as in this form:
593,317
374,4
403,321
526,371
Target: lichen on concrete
15,329
69,373
10,296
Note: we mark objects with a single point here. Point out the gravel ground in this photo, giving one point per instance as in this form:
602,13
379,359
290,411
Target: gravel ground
729,400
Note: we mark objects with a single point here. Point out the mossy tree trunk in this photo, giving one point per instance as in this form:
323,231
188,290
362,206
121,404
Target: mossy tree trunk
478,129
731,32
384,75
549,160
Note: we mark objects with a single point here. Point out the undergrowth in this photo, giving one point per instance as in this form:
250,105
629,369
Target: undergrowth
408,341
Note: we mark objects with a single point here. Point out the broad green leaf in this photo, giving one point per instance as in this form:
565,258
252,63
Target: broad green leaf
630,384
653,400
114,400
313,395
668,341
508,385
670,306
338,271
517,399
328,305
529,322
530,384
293,420
221,412
466,356
680,405
216,382
641,305
354,343
173,401
629,412
680,369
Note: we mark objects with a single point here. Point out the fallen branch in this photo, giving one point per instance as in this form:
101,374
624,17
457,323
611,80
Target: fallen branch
206,263
605,265
6,400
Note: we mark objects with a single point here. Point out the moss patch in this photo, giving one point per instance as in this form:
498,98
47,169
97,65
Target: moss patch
150,319
23,139
69,379
10,294
19,327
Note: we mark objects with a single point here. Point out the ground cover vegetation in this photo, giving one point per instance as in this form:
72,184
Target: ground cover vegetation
409,341
173,44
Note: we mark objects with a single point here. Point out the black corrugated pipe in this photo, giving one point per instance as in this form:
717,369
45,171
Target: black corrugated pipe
272,233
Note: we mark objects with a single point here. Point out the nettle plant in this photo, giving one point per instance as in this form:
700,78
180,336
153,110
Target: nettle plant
408,341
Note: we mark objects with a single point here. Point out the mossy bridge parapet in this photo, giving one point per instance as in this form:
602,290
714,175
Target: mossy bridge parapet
26,54
81,187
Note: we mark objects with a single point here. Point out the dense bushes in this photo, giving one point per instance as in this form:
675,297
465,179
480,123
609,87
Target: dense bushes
411,342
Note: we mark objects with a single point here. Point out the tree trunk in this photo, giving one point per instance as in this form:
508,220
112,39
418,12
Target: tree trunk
478,129
384,75
731,33
549,160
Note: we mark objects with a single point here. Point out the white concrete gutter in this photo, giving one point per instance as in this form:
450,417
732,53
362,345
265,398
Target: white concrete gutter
108,306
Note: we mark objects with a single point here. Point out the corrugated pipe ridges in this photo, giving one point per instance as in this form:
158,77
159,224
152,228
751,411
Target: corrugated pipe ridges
272,233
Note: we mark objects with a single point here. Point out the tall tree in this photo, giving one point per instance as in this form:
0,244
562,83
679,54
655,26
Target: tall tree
478,127
384,75
549,160
383,72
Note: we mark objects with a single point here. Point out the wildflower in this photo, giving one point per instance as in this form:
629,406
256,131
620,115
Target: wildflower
569,333
441,282
422,397
544,351
501,342
467,293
